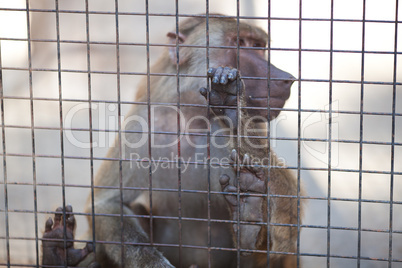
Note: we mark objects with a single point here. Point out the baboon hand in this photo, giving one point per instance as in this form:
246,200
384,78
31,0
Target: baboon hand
248,207
57,243
225,86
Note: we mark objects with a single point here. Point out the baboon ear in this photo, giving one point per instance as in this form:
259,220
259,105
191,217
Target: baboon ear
181,38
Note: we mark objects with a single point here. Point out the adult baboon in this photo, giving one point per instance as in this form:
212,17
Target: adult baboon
176,210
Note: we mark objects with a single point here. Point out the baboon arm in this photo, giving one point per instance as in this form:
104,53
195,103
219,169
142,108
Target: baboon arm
58,246
122,234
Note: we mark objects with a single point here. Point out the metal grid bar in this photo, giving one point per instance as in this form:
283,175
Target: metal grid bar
392,169
189,15
198,76
34,181
119,113
209,239
178,75
61,122
324,227
298,165
191,105
178,118
182,45
331,60
3,134
238,114
195,163
205,192
149,121
91,130
221,249
359,233
268,141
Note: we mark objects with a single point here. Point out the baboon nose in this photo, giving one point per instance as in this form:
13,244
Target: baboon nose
287,83
284,86
289,80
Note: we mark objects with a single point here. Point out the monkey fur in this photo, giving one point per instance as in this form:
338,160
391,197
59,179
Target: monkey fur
186,214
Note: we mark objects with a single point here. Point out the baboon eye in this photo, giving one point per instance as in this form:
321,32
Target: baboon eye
242,43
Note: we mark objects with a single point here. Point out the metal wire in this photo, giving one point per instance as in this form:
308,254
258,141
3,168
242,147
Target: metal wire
392,169
119,113
3,135
179,161
209,193
359,213
149,103
34,179
331,59
238,114
208,162
91,130
299,120
269,140
63,180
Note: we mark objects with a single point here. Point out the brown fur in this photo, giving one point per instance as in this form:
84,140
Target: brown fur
111,228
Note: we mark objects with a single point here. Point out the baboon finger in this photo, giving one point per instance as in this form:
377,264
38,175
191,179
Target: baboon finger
217,75
204,92
70,222
211,72
48,225
224,181
232,74
57,216
224,76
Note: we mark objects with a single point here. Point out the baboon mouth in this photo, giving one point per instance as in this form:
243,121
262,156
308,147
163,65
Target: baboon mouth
263,101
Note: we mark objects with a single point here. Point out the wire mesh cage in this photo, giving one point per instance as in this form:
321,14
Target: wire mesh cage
73,75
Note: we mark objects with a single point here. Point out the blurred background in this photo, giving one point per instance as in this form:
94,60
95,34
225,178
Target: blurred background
362,114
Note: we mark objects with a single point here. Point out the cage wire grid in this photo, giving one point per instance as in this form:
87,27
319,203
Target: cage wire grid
393,259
